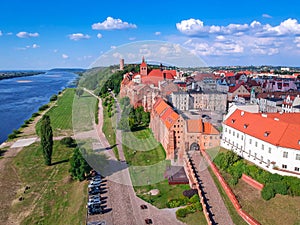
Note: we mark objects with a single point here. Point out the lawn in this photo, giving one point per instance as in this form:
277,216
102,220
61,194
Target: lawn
196,218
61,114
166,193
267,212
141,148
53,198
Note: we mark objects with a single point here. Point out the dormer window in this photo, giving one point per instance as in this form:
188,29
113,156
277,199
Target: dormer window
233,120
298,142
246,125
266,134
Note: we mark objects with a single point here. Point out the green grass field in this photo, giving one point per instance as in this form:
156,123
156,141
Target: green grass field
196,218
61,114
53,198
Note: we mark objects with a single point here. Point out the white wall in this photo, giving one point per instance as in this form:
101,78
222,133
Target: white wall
260,152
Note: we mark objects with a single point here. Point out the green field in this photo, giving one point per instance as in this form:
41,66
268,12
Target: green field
53,198
61,114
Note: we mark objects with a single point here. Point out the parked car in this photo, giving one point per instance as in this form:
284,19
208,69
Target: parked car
96,201
94,209
94,197
95,183
94,191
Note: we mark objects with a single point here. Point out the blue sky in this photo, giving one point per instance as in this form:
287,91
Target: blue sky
47,34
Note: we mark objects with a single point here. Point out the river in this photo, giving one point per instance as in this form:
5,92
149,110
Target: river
22,96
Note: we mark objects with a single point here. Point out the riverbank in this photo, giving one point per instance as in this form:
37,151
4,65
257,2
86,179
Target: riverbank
14,74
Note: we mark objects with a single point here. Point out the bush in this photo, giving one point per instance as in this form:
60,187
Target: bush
181,213
12,136
280,188
35,114
173,203
268,192
194,199
43,107
68,141
53,98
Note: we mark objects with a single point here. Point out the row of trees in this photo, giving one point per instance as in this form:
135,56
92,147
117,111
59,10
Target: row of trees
132,118
231,163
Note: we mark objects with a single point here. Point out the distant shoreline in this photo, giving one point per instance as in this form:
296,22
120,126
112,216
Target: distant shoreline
15,74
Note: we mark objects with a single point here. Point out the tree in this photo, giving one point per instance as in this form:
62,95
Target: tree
79,166
53,98
79,92
46,139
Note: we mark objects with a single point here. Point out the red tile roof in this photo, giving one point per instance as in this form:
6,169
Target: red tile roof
165,112
274,128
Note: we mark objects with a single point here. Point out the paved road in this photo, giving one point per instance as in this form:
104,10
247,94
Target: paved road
121,204
220,214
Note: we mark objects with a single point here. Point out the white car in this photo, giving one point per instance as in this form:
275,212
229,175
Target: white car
95,183
94,198
94,201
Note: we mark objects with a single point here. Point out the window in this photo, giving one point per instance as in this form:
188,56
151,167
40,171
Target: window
210,137
270,150
297,169
256,144
242,137
229,131
226,129
233,133
237,135
297,156
284,166
285,154
250,141
210,144
262,147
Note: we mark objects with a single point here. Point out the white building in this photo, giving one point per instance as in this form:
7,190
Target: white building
271,141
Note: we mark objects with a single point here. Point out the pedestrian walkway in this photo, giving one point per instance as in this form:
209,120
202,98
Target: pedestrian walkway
217,209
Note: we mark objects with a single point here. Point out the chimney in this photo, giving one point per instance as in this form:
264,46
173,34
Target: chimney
165,75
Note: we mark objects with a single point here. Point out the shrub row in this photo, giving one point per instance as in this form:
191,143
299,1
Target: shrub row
274,183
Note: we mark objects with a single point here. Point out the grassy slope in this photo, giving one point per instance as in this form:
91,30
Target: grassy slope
52,198
252,202
61,114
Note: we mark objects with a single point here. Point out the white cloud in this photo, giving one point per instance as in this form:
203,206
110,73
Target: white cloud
157,33
64,56
78,36
297,41
99,35
9,33
266,16
132,38
113,47
55,50
35,46
118,55
113,24
190,26
196,27
24,34
1,33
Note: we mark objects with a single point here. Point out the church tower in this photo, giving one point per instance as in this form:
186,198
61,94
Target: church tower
143,68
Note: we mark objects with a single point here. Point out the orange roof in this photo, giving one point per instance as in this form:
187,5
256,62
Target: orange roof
143,64
165,112
209,129
170,74
194,126
274,128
